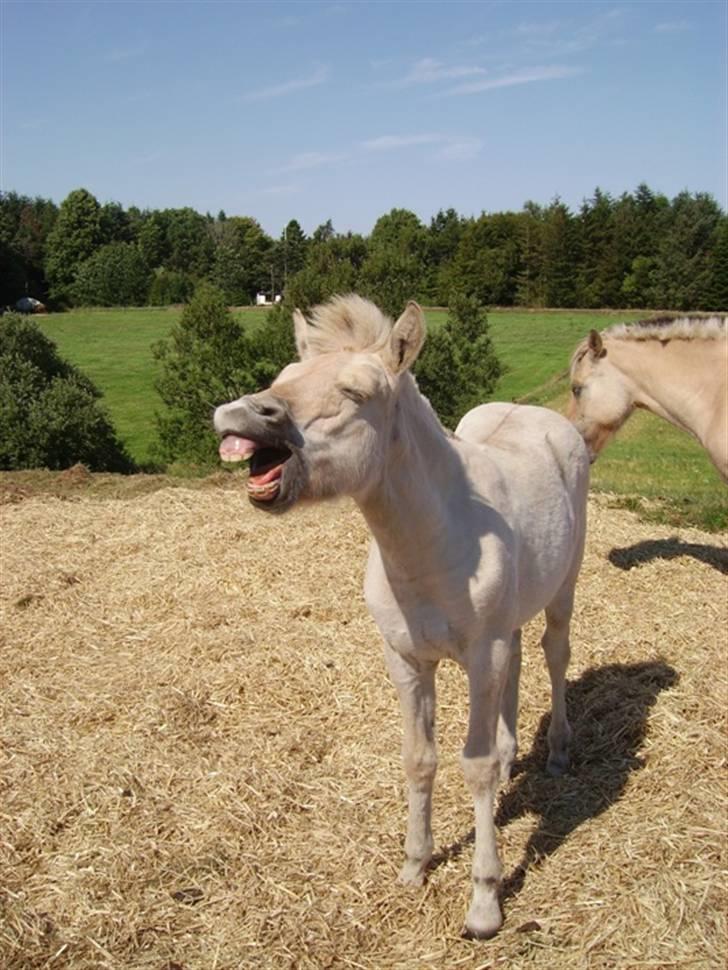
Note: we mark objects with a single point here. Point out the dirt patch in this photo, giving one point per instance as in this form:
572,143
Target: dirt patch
200,752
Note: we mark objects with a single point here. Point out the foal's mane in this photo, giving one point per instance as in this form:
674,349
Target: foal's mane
351,323
346,323
671,328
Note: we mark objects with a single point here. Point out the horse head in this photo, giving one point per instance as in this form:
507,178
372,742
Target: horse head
323,426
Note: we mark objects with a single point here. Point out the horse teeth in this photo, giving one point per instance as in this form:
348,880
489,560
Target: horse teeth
263,491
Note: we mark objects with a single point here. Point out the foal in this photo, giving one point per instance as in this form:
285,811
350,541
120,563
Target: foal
472,535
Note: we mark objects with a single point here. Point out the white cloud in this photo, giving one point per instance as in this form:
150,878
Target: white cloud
449,147
319,76
673,27
387,143
308,160
538,29
428,70
527,75
280,190
119,55
460,150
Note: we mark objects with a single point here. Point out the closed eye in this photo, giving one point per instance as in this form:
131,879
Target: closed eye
357,396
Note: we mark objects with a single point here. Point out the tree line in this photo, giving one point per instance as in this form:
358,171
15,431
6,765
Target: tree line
638,250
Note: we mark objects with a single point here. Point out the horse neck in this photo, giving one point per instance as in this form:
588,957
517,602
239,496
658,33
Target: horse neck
668,379
422,472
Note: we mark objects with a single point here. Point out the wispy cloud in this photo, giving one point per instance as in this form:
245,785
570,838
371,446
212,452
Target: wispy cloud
539,28
449,147
280,190
428,70
33,124
459,150
387,143
673,27
319,76
146,158
528,75
309,160
121,54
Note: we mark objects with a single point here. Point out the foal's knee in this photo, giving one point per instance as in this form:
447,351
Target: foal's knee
481,773
420,765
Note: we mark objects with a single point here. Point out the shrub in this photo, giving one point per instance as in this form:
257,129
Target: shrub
205,361
169,286
458,368
208,359
50,415
115,275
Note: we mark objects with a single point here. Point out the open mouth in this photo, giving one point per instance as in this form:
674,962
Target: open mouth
266,464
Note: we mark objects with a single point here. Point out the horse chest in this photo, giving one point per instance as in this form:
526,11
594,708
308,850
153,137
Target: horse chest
418,624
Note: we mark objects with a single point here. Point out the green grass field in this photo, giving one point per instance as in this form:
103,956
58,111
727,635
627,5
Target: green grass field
650,465
114,348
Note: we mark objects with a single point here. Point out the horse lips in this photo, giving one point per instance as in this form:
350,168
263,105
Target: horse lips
234,448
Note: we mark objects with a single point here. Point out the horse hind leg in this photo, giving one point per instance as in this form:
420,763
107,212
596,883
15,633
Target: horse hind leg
555,643
507,738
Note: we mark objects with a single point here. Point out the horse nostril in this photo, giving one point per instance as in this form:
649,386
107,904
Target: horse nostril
271,409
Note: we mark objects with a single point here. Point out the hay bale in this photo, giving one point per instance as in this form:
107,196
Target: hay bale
201,752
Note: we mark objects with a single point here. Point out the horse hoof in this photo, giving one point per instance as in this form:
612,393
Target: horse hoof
412,874
482,922
557,766
475,934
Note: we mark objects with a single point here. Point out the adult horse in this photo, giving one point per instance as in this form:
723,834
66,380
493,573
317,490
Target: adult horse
473,534
677,369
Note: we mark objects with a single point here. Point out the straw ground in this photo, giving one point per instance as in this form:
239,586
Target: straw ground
200,752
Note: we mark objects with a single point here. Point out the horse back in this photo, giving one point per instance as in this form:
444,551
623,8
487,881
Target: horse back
519,435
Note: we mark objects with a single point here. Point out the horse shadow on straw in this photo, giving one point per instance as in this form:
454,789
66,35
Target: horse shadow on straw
649,549
608,708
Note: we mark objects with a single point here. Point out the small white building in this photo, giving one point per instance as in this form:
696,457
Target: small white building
261,299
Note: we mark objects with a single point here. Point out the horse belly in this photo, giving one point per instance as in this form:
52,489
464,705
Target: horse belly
550,552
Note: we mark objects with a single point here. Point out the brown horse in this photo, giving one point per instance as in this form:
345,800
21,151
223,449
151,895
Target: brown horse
678,369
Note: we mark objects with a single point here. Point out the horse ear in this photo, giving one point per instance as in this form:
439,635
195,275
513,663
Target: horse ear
300,331
406,339
596,346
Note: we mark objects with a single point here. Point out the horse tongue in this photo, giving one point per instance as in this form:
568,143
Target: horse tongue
267,476
234,448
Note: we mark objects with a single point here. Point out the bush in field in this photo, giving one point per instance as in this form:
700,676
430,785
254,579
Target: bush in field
204,362
169,286
50,415
458,368
115,275
209,359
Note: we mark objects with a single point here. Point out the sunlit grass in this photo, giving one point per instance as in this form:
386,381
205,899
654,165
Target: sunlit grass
650,465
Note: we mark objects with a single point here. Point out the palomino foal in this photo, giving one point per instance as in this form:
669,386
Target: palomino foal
472,535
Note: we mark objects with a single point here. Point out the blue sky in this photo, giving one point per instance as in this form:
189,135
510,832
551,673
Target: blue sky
342,110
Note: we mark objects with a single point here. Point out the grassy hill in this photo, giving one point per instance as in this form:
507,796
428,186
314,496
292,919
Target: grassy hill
650,464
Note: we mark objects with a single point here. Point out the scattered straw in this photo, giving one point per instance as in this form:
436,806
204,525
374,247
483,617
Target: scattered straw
200,752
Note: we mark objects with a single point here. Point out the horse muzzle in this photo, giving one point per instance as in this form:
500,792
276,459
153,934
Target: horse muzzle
259,429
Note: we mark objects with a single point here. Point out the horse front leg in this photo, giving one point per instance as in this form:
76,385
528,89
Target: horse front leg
415,683
488,670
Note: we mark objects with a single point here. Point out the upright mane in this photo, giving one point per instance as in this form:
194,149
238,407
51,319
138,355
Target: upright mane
346,323
671,328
